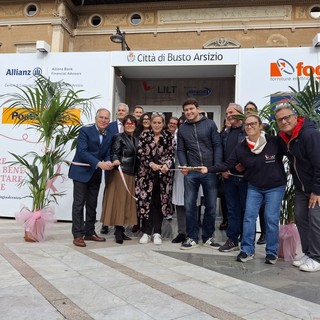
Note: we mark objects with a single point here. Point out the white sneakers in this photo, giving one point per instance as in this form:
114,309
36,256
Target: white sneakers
310,266
307,264
157,238
146,238
300,261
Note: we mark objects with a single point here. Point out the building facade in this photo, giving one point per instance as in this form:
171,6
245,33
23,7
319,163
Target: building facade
217,51
150,26
86,25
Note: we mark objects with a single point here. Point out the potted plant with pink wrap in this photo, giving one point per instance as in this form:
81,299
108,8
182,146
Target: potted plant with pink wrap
52,110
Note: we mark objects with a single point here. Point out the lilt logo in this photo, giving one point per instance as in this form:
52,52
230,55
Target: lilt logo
284,68
146,86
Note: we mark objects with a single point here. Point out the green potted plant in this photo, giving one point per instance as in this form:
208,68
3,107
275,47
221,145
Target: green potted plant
52,110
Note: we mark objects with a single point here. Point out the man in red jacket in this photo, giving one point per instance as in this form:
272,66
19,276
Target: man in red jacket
300,139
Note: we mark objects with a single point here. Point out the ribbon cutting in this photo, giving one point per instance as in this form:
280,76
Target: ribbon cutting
125,183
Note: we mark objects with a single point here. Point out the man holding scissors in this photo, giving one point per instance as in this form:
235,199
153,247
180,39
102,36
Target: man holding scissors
198,144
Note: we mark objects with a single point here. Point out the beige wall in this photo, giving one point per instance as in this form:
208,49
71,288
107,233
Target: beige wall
165,25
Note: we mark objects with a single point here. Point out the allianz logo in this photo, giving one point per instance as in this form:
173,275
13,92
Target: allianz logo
203,92
24,72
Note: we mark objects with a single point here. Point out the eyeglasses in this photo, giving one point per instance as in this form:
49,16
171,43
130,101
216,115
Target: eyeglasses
130,124
285,118
173,123
146,119
250,109
251,124
157,114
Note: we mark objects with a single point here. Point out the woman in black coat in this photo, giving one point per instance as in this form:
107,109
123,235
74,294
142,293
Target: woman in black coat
119,206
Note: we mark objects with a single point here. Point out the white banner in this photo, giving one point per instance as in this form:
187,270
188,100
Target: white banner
84,71
260,72
176,57
265,71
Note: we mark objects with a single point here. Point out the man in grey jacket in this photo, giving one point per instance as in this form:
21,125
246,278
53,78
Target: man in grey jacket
198,145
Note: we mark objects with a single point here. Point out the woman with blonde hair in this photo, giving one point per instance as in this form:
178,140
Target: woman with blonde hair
154,179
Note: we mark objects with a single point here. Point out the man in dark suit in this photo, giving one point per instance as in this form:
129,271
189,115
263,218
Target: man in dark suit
92,156
113,128
116,126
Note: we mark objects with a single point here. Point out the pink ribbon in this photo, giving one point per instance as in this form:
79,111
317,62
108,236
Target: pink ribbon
125,183
35,223
37,215
51,181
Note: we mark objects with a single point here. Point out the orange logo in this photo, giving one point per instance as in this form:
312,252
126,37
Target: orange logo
283,68
13,115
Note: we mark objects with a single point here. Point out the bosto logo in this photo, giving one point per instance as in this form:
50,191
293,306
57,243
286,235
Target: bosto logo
131,57
283,68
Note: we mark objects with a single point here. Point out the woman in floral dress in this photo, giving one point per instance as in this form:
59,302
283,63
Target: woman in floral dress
154,180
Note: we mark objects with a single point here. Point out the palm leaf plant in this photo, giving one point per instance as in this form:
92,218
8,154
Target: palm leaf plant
52,110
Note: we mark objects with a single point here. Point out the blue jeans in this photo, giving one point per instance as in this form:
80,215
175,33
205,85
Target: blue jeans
271,197
192,182
235,190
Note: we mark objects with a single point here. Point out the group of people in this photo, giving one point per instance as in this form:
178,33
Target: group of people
135,153
138,154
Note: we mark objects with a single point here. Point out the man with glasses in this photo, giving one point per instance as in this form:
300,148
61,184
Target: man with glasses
92,156
235,186
300,140
198,145
173,124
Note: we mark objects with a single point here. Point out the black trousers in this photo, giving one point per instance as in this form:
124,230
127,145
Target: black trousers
85,195
154,221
